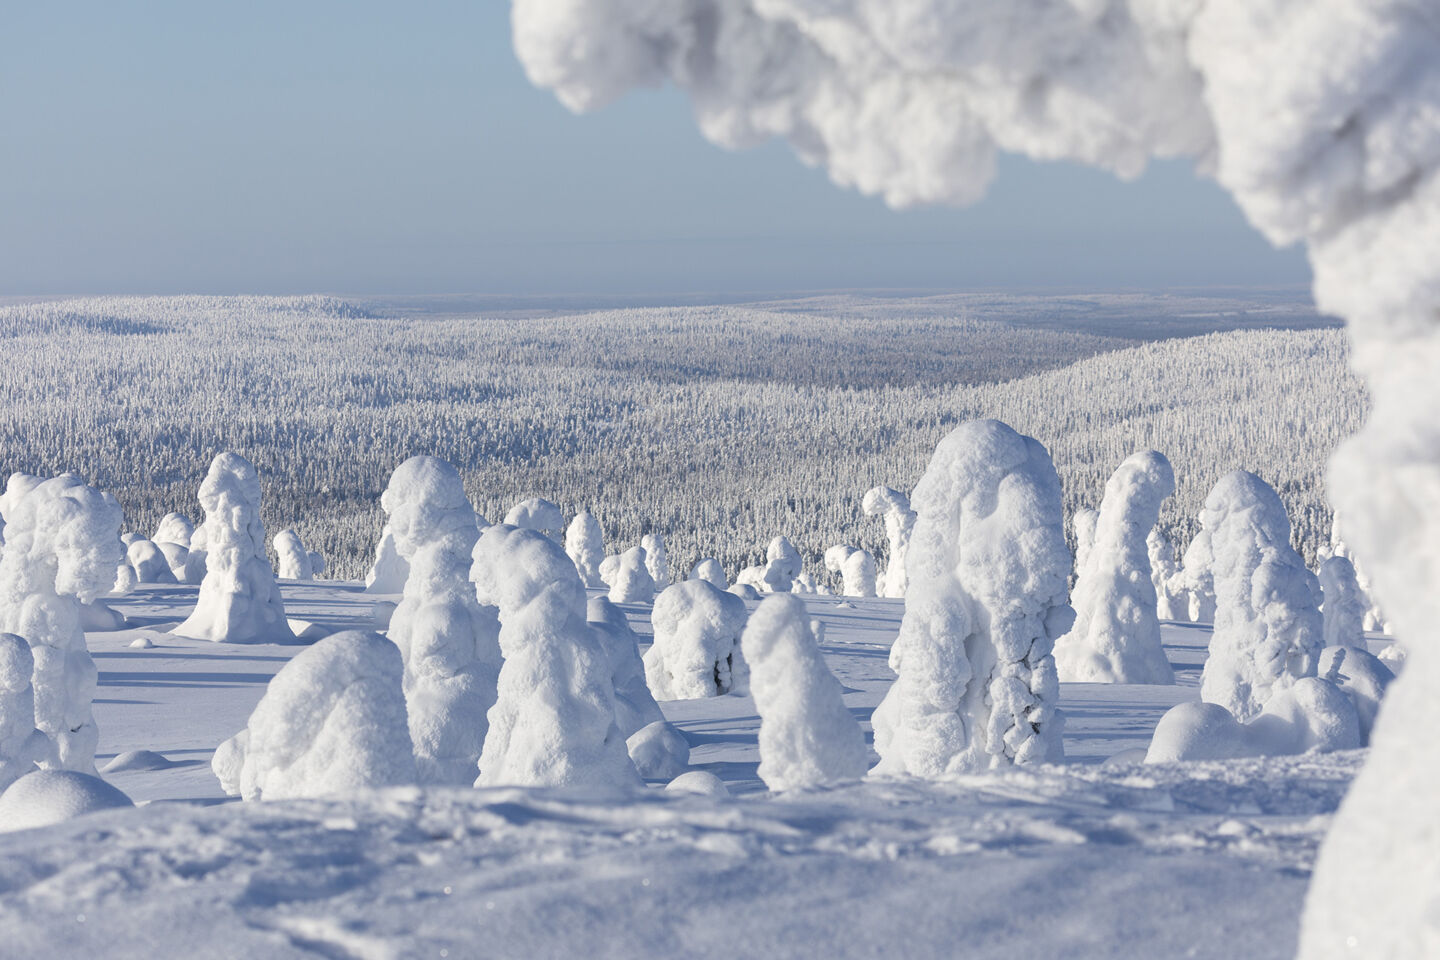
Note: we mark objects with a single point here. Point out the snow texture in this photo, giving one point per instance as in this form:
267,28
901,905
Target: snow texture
294,558
47,797
62,543
585,545
696,651
856,568
894,506
448,641
807,736
389,570
238,600
630,578
782,566
659,751
553,723
1116,638
987,564
537,514
635,707
150,563
22,746
657,561
710,570
1345,606
1268,630
332,721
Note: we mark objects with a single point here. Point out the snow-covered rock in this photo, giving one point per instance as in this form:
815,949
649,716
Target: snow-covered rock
659,751
449,642
710,570
988,566
894,506
332,721
635,707
238,602
630,578
1116,638
856,568
807,736
553,723
47,797
1268,630
294,559
696,651
585,545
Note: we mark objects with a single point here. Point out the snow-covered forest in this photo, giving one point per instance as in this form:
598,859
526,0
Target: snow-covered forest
721,427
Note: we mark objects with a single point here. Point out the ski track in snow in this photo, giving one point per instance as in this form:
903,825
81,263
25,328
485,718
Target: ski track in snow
1088,859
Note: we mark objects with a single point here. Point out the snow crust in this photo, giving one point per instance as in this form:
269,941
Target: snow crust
332,721
696,651
807,736
987,566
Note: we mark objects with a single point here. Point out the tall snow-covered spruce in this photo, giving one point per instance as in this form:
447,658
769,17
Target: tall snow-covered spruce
62,543
448,641
553,723
807,736
696,651
388,570
1116,638
585,545
987,565
22,745
238,602
1268,631
894,506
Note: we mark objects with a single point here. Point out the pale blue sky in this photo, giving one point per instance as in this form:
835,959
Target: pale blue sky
366,147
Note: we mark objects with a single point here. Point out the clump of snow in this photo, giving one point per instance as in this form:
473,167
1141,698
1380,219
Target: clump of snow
1363,676
150,563
389,570
696,651
782,565
700,782
1268,630
142,643
48,797
1311,714
331,721
709,570
138,760
1170,603
537,514
238,602
1196,730
61,548
174,528
856,568
657,560
22,746
659,751
630,580
585,545
553,723
635,707
807,736
1116,638
894,506
294,558
449,642
1344,609
988,566
754,578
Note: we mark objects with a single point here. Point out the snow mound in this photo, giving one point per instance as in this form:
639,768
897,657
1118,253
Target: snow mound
1363,676
138,760
1310,715
744,591
700,782
141,643
659,751
47,797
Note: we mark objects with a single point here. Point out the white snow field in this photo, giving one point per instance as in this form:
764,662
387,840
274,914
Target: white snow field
1085,859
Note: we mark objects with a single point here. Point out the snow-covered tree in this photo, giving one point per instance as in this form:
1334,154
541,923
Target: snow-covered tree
657,560
238,602
1312,714
807,736
448,641
630,580
1116,638
1085,522
389,570
332,721
62,542
709,570
1197,577
635,706
17,487
1268,631
196,560
1345,605
1170,604
22,746
585,545
537,513
782,565
174,528
294,558
696,652
987,566
554,721
856,568
150,563
894,506
317,564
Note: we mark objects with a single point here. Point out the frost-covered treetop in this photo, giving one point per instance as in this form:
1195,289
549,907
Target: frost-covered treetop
230,495
426,505
63,537
516,566
879,501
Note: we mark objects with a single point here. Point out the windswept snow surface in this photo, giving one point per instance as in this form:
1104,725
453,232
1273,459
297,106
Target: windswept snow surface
1204,860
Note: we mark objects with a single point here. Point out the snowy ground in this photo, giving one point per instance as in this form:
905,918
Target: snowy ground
1095,858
